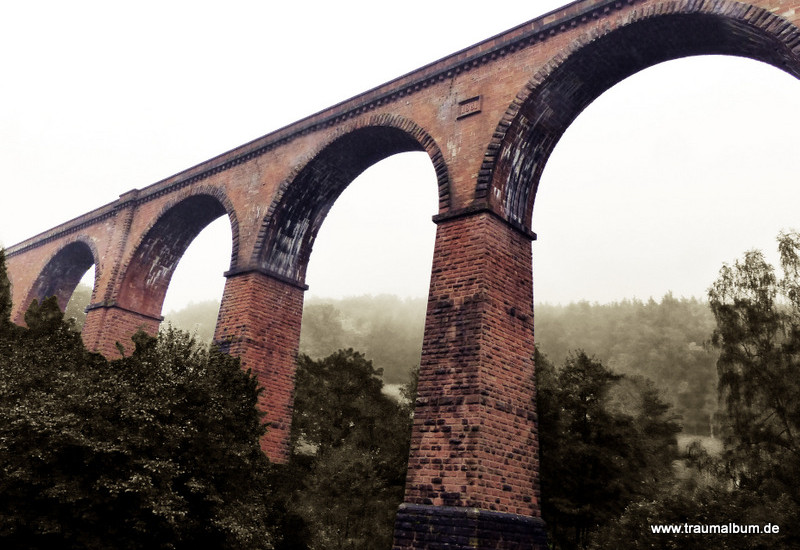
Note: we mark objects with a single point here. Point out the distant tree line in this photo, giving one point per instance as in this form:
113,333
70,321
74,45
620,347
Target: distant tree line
666,341
385,328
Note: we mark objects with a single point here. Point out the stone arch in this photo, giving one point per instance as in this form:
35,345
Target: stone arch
560,91
62,273
149,270
305,197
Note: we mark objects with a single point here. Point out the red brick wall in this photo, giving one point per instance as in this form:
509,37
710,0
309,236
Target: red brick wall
105,326
474,442
259,321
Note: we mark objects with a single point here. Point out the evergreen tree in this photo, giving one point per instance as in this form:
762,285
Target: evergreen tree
605,441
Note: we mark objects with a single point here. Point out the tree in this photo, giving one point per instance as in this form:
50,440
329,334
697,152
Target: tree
758,336
606,441
756,478
5,292
663,341
76,306
157,450
323,331
349,453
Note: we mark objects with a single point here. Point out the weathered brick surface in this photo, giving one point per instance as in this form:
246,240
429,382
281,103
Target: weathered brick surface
259,321
474,442
488,117
108,327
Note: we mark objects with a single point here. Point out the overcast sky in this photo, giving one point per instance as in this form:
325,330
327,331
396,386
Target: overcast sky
663,178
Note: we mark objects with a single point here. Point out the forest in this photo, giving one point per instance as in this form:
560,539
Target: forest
670,412
666,340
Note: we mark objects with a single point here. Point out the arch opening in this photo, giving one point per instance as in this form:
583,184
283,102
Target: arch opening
62,274
370,271
368,281
560,92
151,268
193,300
664,177
81,298
295,219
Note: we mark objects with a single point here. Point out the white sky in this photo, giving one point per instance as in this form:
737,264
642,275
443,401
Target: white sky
667,175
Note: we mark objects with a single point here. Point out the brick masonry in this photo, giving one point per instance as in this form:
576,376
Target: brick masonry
108,329
259,321
488,117
474,442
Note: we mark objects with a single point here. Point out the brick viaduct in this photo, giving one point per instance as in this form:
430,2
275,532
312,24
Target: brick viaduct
488,117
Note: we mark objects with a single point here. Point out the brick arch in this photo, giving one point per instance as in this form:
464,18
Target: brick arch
560,91
63,271
149,270
306,196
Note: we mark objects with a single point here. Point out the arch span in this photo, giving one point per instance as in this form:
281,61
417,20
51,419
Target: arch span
562,89
303,201
62,273
149,271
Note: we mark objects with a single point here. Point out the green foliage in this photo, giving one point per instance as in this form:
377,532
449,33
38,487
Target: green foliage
157,450
387,329
5,291
198,319
76,307
349,454
758,335
606,440
662,341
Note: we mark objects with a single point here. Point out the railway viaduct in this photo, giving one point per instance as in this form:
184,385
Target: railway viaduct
488,117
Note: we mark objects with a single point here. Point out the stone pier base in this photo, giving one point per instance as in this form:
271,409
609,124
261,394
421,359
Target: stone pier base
456,528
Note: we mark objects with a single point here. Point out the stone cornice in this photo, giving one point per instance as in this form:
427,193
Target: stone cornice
482,208
267,273
498,46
